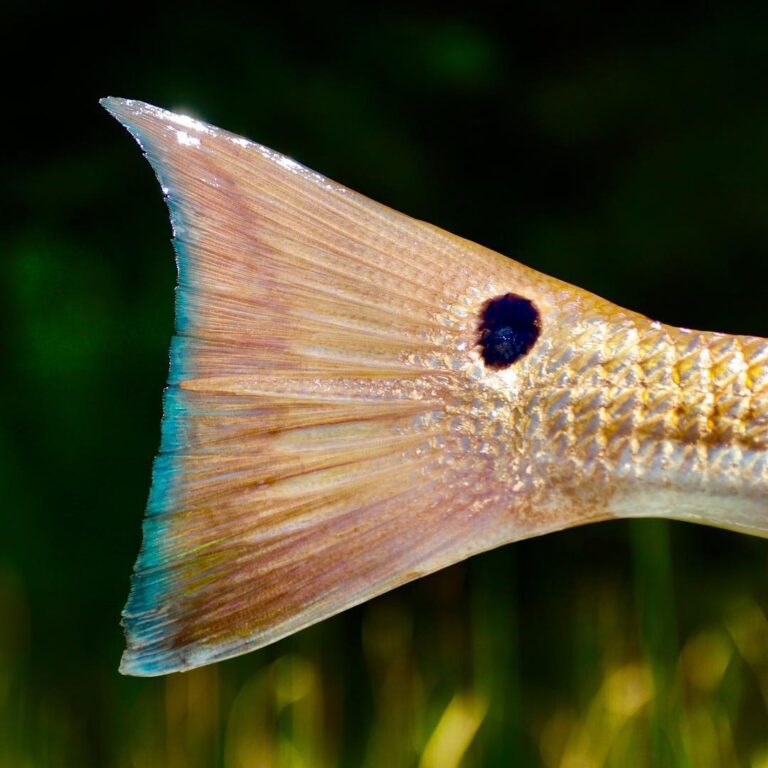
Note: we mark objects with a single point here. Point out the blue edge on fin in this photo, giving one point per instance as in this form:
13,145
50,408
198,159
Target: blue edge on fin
149,582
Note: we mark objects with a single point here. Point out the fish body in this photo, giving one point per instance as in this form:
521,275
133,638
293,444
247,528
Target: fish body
357,399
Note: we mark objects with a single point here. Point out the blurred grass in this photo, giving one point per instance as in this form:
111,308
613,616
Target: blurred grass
624,150
288,711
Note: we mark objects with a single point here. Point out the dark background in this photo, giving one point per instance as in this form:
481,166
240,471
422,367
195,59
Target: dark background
623,150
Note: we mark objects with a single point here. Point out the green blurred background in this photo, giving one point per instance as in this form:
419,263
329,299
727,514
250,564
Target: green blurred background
622,150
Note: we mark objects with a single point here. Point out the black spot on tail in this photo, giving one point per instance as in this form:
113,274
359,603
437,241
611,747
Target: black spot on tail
509,327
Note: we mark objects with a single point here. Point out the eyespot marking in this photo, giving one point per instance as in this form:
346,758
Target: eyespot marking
509,327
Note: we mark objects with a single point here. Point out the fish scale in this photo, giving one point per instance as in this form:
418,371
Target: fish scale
357,399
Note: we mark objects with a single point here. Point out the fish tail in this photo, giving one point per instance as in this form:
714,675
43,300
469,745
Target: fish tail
310,456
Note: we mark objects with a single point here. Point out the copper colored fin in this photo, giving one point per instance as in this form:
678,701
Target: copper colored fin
305,462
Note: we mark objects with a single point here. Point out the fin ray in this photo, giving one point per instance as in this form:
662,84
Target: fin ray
305,463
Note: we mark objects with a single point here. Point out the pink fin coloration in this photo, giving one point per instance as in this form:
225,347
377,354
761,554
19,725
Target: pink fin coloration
309,457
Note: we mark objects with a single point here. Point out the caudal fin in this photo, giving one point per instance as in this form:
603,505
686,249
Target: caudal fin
310,455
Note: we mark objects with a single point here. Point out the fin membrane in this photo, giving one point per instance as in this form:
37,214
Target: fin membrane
307,461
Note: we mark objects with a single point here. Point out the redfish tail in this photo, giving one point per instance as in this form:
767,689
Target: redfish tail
306,461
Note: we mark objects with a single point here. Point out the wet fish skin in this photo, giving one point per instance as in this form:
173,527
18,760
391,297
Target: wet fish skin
335,425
